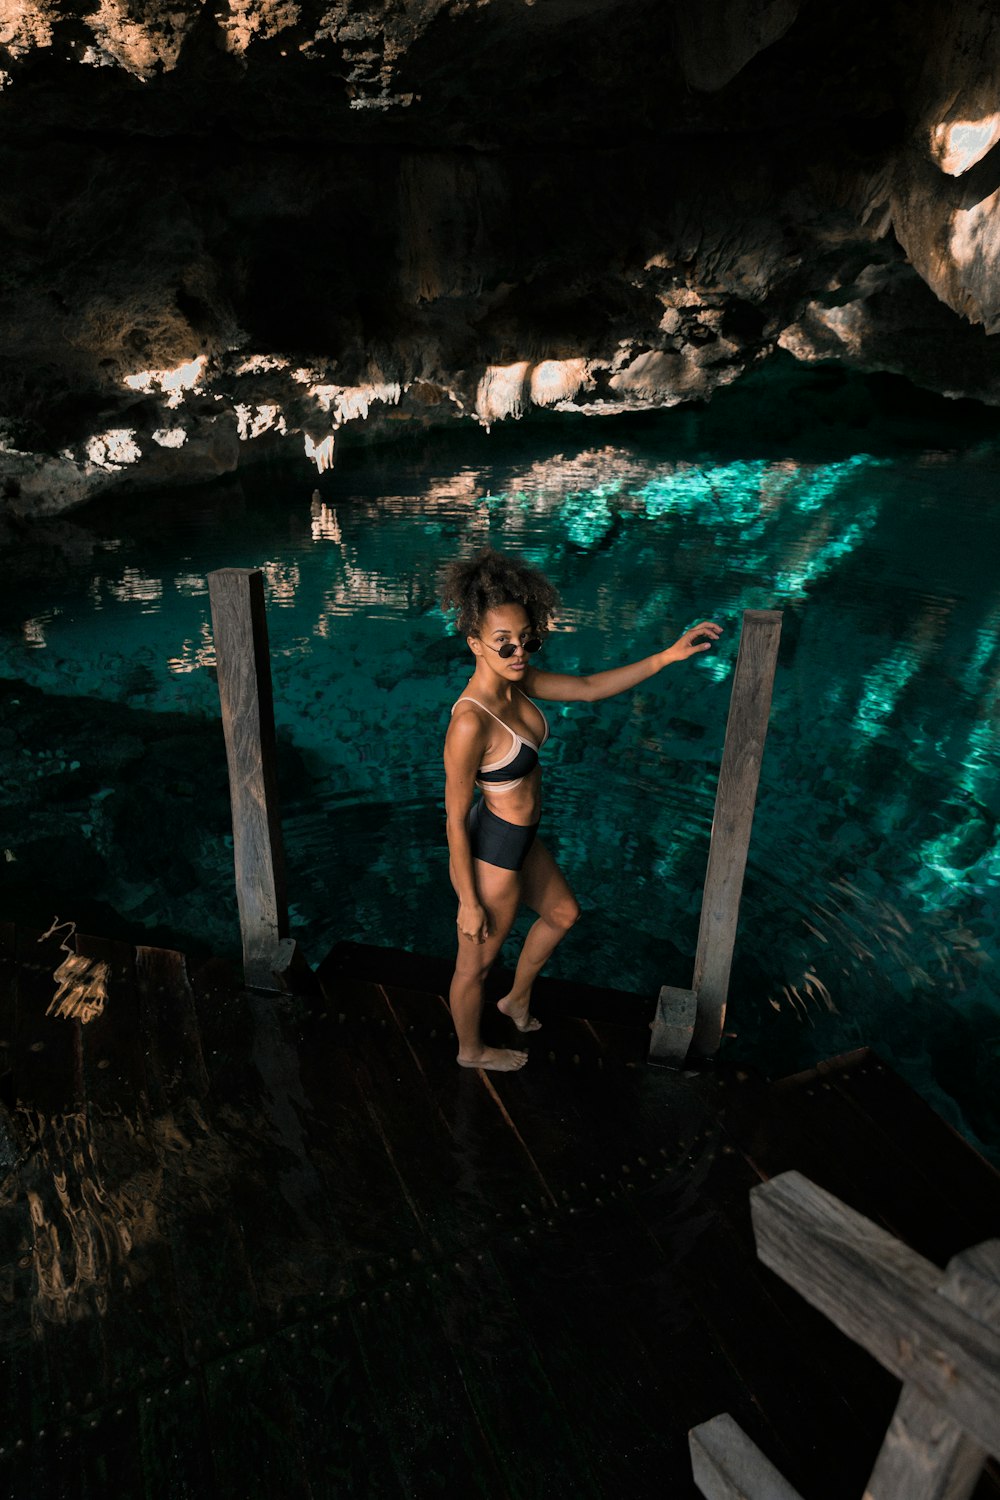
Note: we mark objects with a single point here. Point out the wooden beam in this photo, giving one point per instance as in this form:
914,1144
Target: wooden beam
735,799
728,1466
884,1296
243,662
926,1455
673,1026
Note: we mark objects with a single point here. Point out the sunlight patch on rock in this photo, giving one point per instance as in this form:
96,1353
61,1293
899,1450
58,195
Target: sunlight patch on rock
114,449
956,145
173,383
500,393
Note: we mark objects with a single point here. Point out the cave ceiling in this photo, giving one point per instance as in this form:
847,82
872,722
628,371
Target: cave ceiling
229,226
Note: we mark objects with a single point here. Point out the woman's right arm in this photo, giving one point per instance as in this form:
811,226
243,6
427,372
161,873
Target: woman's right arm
464,746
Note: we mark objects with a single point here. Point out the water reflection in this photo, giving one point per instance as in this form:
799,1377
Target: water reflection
881,767
135,586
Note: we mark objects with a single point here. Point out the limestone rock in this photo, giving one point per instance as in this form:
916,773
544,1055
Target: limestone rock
715,39
227,227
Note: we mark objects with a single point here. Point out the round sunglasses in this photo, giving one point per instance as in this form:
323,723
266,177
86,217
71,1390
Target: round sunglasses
508,648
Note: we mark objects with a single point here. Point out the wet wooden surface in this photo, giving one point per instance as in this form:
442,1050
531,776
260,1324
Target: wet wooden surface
256,1247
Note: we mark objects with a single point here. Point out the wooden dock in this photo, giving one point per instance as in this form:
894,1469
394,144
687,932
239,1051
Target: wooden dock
286,1247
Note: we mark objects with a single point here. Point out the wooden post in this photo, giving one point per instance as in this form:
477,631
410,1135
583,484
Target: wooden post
941,1334
926,1454
727,1465
885,1297
746,730
239,624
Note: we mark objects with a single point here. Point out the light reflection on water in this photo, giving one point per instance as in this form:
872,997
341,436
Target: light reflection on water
870,907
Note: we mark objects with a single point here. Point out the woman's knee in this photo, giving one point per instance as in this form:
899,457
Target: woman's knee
564,913
472,962
475,960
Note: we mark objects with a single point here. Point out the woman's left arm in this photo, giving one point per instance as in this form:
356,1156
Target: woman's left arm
564,687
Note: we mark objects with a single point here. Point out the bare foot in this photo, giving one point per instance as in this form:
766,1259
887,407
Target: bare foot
497,1059
519,1014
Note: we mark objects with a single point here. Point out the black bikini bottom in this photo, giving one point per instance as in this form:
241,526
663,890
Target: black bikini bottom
496,841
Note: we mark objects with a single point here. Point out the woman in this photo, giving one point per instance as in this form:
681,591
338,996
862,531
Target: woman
504,610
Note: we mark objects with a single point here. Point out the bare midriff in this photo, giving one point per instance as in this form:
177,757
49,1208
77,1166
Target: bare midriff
522,804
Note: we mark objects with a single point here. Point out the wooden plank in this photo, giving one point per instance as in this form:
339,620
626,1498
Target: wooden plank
175,1066
851,1389
673,1025
216,1295
619,1343
926,1455
578,1117
771,1126
255,1448
626,1043
879,1175
106,1453
239,626
497,1172
401,1111
114,1074
15,1468
728,1466
481,1130
623,1112
291,1232
225,1028
534,1443
776,1128
72,1267
800,1383
175,1441
882,1295
956,1173
141,1321
491,1171
56,1466
19,1400
48,1056
746,731
422,1407
333,1408
380,1223
140,1318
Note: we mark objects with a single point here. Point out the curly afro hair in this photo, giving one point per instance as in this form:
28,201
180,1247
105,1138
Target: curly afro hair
473,585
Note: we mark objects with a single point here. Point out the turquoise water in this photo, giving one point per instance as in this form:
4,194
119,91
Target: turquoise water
870,911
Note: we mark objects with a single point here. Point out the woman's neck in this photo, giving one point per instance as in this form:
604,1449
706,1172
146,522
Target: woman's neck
489,685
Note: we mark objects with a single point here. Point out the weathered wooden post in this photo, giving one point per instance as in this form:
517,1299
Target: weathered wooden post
690,1022
938,1332
239,625
926,1454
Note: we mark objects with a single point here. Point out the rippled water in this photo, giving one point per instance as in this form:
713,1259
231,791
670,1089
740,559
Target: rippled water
871,903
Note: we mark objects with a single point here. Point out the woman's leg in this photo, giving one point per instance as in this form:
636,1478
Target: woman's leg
499,892
544,889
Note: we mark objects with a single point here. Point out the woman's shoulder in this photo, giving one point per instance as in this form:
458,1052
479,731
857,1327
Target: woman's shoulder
468,719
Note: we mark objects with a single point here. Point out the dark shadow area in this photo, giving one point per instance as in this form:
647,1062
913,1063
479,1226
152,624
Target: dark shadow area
243,1224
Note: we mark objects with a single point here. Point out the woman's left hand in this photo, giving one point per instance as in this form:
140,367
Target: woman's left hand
693,640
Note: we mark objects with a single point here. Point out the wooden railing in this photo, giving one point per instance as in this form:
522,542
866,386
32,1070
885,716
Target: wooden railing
938,1331
243,666
690,1022
686,1021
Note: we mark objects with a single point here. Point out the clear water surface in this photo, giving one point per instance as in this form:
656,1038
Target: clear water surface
872,898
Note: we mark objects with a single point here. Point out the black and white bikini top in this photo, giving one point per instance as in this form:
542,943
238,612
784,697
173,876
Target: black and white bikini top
522,758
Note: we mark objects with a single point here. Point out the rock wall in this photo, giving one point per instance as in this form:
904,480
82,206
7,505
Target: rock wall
228,226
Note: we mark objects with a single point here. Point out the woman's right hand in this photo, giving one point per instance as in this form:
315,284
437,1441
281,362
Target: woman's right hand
473,923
